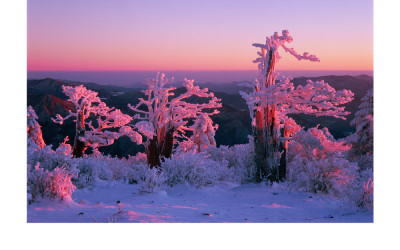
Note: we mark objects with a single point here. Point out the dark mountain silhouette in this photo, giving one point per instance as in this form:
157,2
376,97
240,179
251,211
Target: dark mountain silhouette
48,100
47,107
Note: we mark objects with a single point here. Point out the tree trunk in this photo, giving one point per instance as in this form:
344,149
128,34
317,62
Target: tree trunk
268,165
79,147
282,163
153,153
160,147
167,144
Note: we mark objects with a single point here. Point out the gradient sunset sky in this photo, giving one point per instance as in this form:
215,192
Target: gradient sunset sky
97,35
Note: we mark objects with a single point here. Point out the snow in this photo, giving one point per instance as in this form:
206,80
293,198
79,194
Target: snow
251,203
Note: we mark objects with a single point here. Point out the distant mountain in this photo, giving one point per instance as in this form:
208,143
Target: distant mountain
53,86
223,87
47,107
47,98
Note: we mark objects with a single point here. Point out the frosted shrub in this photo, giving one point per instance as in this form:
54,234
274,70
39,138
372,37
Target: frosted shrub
317,163
363,189
138,173
195,169
140,158
48,158
240,160
332,175
88,171
93,168
152,182
112,168
367,198
366,161
37,181
60,185
54,184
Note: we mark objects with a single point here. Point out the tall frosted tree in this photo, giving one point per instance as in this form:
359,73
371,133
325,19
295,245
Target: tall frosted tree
161,116
273,97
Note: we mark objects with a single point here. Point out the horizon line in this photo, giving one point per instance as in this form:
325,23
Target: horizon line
196,70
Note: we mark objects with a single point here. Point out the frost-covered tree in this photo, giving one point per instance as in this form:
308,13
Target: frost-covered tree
33,128
93,118
163,117
362,140
274,97
203,132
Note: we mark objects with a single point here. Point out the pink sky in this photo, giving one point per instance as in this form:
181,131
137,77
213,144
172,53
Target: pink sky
195,35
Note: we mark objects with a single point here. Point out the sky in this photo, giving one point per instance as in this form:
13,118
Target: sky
105,35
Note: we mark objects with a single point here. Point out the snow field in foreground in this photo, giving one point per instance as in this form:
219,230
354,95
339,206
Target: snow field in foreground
254,203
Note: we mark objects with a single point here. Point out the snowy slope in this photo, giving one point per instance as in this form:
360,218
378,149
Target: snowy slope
247,203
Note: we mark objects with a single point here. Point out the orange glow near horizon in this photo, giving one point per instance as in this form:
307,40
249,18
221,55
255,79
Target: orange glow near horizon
75,57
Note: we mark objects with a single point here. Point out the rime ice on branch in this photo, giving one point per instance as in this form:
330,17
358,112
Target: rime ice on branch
33,128
274,97
162,116
92,118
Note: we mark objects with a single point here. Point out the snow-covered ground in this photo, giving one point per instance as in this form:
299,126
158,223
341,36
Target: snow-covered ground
121,202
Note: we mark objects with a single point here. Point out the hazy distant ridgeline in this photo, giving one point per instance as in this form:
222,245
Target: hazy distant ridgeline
47,98
135,79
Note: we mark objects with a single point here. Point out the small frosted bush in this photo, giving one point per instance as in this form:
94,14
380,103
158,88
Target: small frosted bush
55,184
330,176
362,193
37,181
48,158
139,159
92,168
195,169
89,171
317,164
240,159
60,185
152,182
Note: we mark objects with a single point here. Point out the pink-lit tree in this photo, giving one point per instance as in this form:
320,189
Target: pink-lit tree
162,117
93,118
274,97
33,128
203,132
